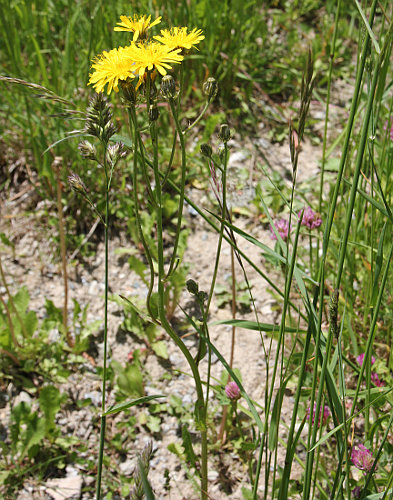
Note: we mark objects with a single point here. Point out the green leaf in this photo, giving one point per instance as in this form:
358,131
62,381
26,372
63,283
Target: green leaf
188,449
50,400
254,325
153,423
124,406
6,241
138,266
275,419
124,139
160,349
31,322
21,300
130,381
34,434
247,494
177,449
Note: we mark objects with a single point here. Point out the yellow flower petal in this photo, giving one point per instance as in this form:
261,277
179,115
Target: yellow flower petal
138,25
179,38
110,68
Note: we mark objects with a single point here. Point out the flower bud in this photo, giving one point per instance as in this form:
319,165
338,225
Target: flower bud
221,152
128,90
87,150
210,88
76,183
225,133
192,287
153,113
202,297
206,150
168,87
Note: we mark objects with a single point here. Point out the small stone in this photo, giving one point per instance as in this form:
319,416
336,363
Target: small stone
22,397
212,475
127,467
65,487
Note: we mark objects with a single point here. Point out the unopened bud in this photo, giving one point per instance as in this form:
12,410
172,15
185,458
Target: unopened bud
221,152
210,88
153,113
192,287
87,150
76,183
202,297
225,133
168,87
128,90
206,150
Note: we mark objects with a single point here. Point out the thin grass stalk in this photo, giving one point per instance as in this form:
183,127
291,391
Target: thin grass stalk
280,343
359,161
371,335
288,283
233,274
104,372
216,265
321,275
343,400
325,130
379,453
222,226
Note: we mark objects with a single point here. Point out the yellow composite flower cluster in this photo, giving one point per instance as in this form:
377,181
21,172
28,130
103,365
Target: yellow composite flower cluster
141,56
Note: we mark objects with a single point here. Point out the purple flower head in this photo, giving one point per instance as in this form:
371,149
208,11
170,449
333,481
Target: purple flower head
282,227
357,491
232,391
360,359
391,129
325,415
362,458
310,218
376,381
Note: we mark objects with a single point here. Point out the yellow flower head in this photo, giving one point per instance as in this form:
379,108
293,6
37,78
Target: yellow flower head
150,56
179,38
138,25
110,68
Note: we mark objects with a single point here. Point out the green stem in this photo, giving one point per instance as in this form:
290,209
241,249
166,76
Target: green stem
182,187
198,119
222,226
200,409
138,140
104,373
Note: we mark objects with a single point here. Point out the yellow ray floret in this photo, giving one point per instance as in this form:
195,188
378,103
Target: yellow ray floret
179,38
150,56
110,68
138,25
